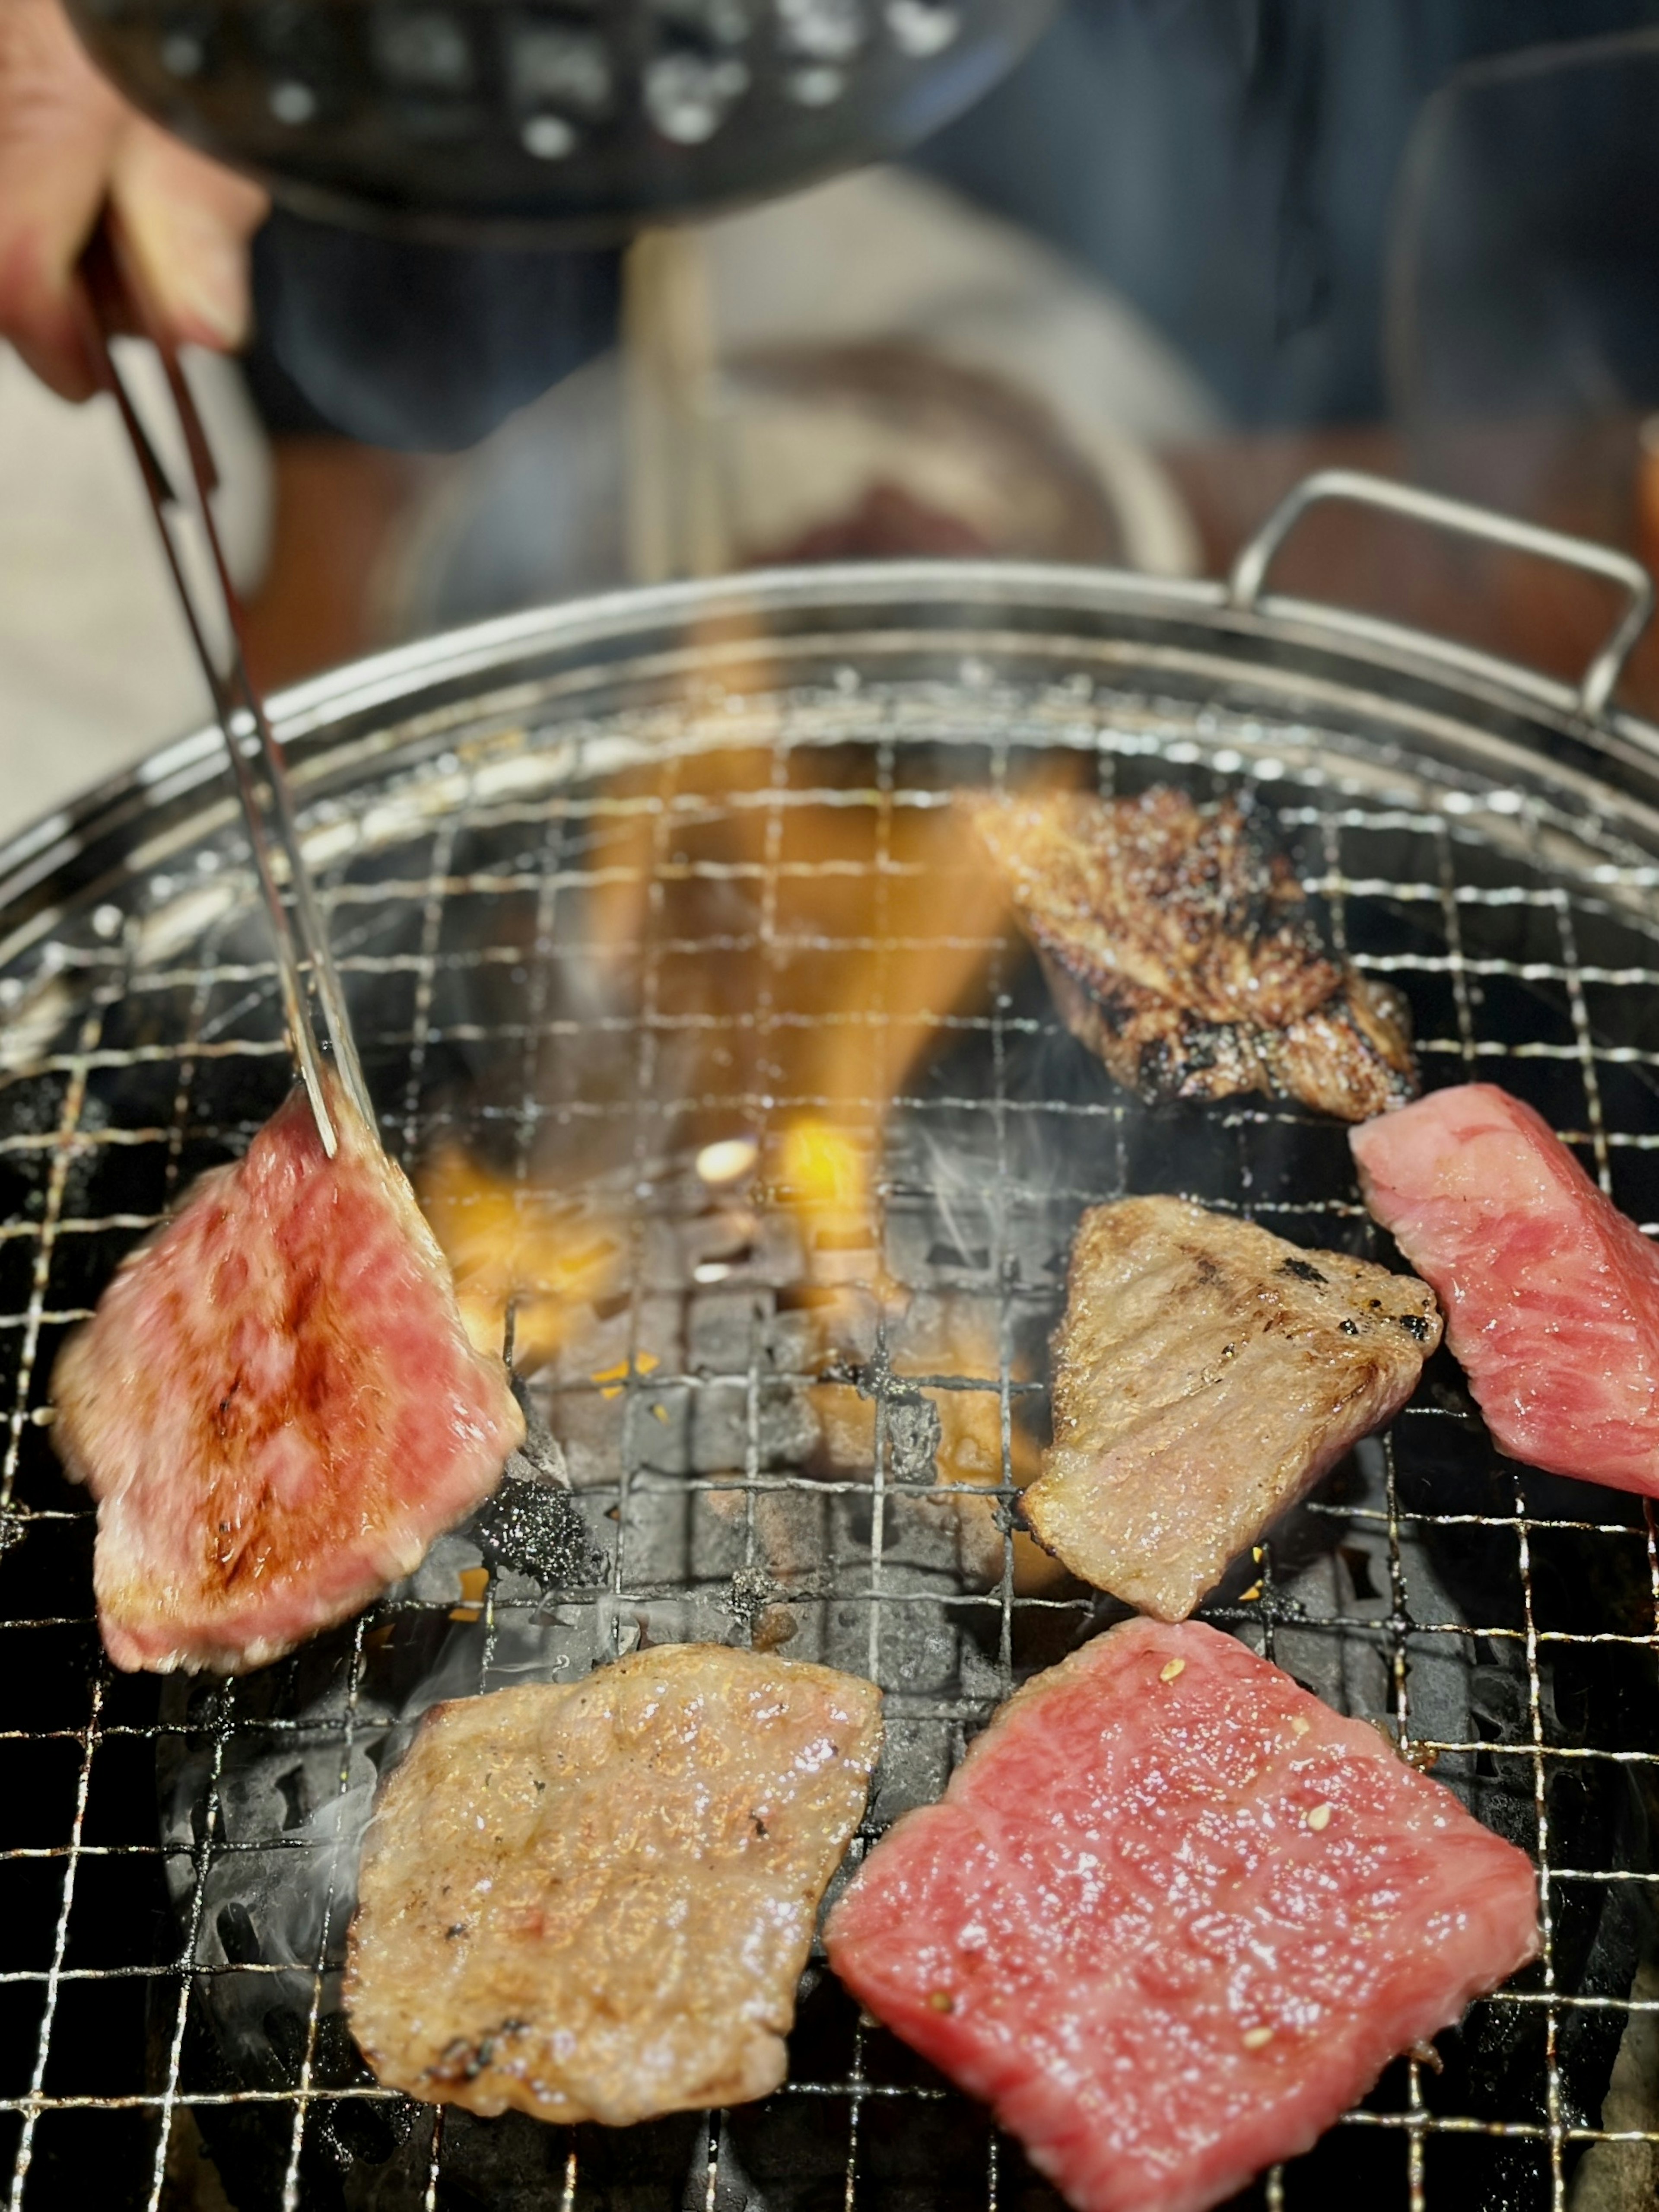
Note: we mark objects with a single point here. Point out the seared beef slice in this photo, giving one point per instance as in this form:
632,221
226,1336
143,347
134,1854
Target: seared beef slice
593,1899
1177,949
1205,1375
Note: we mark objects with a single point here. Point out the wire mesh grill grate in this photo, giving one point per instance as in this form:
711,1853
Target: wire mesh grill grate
579,950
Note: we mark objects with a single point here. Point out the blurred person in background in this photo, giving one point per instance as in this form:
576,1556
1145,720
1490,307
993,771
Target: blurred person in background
1229,166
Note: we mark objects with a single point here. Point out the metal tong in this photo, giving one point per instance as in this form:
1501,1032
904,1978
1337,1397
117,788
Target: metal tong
117,304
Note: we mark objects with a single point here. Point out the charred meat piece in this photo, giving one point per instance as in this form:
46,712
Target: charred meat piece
1174,1914
1551,1294
1177,948
275,1405
593,1901
1206,1374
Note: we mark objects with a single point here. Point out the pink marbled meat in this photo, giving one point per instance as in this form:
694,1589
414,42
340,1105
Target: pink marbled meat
275,1405
1550,1295
1173,1915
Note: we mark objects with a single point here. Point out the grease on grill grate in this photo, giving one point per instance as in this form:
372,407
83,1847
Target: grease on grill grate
795,1404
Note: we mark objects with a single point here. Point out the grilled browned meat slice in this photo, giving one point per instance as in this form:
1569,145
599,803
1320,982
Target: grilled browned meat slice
1177,948
275,1405
593,1901
1206,1374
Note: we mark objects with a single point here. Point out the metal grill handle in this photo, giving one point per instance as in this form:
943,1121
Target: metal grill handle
1250,570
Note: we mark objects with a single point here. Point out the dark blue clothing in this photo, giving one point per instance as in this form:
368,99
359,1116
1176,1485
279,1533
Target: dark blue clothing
1233,167
424,347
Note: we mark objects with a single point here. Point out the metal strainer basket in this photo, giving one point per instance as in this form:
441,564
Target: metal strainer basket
676,988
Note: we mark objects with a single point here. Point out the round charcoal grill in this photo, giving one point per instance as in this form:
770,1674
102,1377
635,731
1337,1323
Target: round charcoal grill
615,884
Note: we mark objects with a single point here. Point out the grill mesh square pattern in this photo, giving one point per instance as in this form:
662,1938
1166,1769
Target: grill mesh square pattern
752,1127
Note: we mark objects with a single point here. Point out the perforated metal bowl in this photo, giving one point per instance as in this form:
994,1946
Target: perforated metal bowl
603,880
530,123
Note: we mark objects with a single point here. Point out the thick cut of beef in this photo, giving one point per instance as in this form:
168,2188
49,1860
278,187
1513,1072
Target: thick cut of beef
593,1901
1175,947
1206,1374
1174,1914
275,1404
1551,1295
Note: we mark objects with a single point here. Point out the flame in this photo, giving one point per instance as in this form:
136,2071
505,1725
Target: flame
863,926
823,1169
546,1259
552,1261
824,1178
850,929
968,1461
727,1161
475,1588
614,1380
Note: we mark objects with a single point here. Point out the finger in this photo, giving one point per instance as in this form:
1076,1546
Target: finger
189,222
59,124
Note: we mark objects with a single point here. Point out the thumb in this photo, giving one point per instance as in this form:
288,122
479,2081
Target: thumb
189,222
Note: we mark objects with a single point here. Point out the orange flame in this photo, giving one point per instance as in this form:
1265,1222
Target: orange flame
508,1246
852,927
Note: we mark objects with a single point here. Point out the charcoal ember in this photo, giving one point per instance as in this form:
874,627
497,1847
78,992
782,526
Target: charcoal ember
724,1331
609,1414
537,1528
913,1434
741,1531
771,1426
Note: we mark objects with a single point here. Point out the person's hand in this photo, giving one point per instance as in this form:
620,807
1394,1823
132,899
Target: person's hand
67,141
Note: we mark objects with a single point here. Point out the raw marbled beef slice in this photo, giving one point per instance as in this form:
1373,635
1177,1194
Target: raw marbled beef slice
1551,1295
275,1405
1173,1915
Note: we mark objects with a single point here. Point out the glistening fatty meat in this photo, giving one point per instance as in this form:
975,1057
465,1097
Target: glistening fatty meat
593,1900
275,1404
1551,1294
1174,1914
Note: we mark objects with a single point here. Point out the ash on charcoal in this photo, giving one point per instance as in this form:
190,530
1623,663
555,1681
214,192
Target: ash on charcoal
538,1530
532,1524
914,1436
760,1605
752,1591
